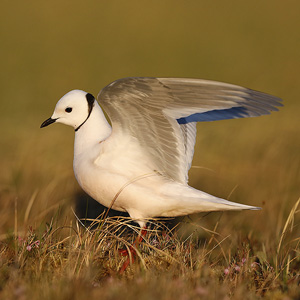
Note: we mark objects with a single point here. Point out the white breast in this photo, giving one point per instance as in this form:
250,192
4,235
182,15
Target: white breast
108,167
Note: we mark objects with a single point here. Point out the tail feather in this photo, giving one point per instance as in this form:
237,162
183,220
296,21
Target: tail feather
189,200
219,202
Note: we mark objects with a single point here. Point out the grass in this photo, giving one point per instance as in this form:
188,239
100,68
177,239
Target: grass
70,260
49,48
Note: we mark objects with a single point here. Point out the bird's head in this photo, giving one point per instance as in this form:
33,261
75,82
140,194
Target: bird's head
72,109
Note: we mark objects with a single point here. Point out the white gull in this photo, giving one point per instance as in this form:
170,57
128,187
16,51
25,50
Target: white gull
140,164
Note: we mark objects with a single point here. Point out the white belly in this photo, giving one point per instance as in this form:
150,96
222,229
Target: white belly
116,181
127,184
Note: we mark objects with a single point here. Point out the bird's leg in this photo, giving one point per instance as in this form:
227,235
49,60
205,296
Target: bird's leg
132,251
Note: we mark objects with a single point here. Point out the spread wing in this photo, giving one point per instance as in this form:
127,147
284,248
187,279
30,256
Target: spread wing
161,113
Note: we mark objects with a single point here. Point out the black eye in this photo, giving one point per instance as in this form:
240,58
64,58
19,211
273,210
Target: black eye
68,109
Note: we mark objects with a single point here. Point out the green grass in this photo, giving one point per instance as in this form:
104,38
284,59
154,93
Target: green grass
50,48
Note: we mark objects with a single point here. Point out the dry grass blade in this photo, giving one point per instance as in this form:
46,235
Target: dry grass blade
29,206
289,221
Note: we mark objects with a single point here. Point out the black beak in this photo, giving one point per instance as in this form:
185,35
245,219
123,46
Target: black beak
48,122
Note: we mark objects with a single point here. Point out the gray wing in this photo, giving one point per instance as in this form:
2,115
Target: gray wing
161,113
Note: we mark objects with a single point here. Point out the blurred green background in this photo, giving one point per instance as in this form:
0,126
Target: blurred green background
49,48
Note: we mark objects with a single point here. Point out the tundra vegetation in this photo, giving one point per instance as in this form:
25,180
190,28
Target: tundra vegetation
53,242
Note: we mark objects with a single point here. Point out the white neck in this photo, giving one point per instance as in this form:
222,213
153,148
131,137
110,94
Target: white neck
95,130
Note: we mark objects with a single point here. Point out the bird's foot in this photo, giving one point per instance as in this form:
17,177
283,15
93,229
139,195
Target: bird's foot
125,252
130,259
131,253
